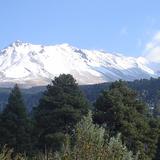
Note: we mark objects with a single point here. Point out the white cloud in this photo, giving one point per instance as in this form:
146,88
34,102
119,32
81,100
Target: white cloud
152,48
157,36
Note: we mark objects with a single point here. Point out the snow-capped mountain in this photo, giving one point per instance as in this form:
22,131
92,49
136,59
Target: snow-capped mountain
35,65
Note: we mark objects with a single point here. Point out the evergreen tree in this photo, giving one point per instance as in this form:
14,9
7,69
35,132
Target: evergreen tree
59,109
157,156
156,109
155,123
120,109
156,115
14,123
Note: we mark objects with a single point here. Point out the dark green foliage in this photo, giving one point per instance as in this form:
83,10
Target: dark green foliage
91,92
62,105
60,108
156,110
31,96
157,155
90,144
14,123
147,91
120,109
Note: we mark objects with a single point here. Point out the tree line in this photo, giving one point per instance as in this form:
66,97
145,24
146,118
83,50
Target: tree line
64,125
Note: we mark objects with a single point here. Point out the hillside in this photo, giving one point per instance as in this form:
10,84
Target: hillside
146,89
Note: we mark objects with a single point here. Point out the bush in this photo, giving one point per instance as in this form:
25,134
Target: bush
91,144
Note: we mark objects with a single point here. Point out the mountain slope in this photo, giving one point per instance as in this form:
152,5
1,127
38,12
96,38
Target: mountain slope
35,65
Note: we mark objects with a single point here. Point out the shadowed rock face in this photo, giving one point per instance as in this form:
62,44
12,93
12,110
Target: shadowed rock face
35,65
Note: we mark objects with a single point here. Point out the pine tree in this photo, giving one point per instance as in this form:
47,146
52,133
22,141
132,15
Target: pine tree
59,109
156,110
14,123
121,111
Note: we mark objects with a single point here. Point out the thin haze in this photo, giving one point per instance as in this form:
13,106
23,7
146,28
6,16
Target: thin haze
124,26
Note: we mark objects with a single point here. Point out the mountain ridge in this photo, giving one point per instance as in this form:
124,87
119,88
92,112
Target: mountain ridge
35,65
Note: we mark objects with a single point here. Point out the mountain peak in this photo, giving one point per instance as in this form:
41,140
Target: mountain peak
18,43
31,65
66,46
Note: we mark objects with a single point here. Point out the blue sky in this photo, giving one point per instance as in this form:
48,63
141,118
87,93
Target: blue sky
124,26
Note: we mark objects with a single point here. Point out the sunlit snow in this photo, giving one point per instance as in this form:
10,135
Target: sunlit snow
32,65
